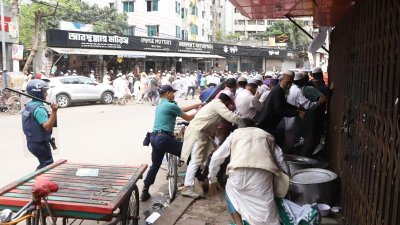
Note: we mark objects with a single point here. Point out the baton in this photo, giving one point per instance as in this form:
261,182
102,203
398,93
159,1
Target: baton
29,96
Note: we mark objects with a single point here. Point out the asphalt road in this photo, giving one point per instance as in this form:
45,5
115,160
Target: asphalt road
102,134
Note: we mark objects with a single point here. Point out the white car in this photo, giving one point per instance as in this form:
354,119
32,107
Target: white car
68,89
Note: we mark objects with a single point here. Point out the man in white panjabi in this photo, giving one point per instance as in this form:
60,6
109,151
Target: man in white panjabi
121,88
247,101
198,141
255,175
296,98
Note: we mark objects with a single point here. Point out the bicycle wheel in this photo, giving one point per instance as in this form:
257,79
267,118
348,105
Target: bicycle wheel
130,209
14,105
172,176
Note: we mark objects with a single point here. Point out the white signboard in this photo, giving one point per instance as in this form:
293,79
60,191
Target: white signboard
17,52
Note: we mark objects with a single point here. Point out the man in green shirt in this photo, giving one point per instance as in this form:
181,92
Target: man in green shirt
162,139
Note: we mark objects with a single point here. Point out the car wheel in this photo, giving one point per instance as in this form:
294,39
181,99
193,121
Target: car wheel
63,100
107,98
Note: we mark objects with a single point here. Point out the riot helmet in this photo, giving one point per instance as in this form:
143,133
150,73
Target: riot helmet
37,88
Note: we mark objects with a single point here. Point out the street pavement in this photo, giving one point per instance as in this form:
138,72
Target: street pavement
99,134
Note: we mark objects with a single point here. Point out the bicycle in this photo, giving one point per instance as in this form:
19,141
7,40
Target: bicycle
174,162
33,212
9,102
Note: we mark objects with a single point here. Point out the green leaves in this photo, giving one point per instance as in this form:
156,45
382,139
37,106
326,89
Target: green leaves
298,40
104,20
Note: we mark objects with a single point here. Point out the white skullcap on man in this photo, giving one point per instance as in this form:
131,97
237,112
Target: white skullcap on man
298,76
228,93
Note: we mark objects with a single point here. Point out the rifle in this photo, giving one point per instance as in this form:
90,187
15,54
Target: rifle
29,96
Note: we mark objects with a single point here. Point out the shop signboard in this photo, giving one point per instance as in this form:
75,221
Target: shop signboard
195,47
152,44
273,53
17,52
235,50
77,39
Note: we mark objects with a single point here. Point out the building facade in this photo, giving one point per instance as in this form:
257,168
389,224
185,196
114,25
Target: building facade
189,20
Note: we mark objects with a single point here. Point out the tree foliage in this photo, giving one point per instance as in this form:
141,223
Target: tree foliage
298,40
104,20
232,36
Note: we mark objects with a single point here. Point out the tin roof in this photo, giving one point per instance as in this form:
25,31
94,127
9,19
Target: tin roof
325,12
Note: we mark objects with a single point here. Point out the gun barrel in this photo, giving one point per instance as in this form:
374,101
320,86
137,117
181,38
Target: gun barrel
29,96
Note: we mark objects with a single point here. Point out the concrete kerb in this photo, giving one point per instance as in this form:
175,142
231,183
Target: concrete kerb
172,214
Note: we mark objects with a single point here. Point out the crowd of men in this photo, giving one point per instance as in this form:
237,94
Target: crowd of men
243,132
242,126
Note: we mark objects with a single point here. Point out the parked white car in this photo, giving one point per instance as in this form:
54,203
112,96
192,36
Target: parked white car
68,89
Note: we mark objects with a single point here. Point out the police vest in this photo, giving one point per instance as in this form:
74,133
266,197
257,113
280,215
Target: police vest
32,129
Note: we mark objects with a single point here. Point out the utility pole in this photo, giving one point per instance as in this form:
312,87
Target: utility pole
3,35
15,10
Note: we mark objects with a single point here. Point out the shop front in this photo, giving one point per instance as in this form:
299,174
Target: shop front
246,58
83,52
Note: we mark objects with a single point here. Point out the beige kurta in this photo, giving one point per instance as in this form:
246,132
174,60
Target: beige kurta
203,127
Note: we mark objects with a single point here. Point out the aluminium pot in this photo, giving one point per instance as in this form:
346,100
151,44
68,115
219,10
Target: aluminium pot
313,185
297,162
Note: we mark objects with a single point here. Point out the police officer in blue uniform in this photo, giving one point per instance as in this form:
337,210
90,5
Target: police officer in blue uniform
37,123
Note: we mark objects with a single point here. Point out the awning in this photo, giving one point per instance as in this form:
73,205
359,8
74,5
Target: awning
325,12
131,54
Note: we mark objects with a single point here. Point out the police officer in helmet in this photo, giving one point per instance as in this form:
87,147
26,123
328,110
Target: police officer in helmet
37,123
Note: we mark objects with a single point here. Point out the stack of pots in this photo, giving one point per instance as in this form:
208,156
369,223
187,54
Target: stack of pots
310,182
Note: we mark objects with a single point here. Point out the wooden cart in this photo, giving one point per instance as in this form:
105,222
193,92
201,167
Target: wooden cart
89,192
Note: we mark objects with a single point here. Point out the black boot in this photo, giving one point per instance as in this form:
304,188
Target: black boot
145,195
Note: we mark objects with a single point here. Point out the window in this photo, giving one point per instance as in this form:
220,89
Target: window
202,32
184,13
128,6
241,22
152,5
112,5
130,31
236,11
251,22
270,22
178,32
177,7
185,35
203,14
260,22
152,31
85,80
193,10
193,29
73,80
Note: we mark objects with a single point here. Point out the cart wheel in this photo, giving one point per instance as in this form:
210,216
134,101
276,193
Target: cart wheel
130,209
172,176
